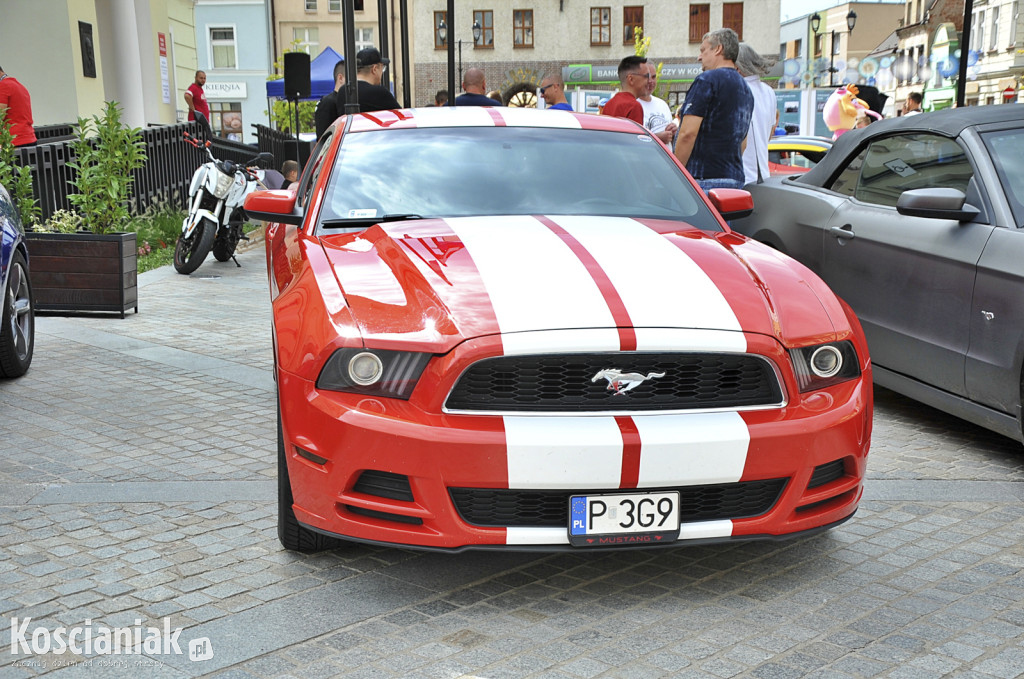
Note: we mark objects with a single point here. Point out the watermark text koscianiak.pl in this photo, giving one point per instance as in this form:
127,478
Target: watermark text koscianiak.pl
89,639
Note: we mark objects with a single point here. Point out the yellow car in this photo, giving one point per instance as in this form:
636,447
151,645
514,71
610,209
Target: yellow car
792,154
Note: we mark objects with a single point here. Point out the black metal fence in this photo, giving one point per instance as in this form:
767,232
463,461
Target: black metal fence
165,177
284,146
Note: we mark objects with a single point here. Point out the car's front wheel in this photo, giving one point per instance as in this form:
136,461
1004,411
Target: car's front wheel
17,335
293,535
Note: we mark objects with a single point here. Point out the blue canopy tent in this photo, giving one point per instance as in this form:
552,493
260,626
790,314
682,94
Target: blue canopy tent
321,76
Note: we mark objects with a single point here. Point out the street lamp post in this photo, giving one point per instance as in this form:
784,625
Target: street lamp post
442,33
851,21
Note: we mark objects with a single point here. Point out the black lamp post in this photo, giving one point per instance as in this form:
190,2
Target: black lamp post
851,21
442,33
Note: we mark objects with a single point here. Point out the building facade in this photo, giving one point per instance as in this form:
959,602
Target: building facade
234,49
521,42
996,53
87,52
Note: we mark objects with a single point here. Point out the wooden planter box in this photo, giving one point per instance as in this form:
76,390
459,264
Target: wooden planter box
83,272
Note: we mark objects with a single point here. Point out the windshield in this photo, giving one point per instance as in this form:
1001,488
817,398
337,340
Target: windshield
455,172
1007,150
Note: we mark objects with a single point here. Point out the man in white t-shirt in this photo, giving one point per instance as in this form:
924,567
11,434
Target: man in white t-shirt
752,66
657,114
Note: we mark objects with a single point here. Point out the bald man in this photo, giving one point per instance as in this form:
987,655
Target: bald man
475,87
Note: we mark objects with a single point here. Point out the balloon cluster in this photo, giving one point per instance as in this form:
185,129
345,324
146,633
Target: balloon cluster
882,72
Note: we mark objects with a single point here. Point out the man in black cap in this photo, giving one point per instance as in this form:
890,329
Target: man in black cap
370,67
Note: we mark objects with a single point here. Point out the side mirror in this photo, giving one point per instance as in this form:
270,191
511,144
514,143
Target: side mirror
273,206
936,204
732,203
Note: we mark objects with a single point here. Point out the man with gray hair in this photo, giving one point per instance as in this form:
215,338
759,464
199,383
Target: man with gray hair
716,115
752,66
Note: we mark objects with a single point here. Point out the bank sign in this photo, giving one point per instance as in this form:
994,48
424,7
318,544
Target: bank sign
588,73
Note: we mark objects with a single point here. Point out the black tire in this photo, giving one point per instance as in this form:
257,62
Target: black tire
293,535
190,253
227,240
17,335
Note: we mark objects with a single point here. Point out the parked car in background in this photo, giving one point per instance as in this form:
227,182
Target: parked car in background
918,223
794,154
17,331
522,329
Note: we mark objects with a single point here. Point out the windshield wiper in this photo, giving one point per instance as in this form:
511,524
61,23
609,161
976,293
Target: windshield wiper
367,221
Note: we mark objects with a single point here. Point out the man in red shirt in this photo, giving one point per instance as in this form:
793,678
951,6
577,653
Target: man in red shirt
15,100
633,76
195,97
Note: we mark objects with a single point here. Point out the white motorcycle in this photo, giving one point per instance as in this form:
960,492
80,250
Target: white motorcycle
216,216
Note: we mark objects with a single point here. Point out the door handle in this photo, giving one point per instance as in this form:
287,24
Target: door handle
844,232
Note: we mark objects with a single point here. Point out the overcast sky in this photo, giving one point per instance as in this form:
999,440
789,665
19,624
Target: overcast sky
791,9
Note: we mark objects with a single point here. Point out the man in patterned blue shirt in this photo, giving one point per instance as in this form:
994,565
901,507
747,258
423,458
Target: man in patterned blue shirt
716,116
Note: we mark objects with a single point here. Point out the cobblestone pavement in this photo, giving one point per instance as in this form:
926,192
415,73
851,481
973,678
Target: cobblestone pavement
137,488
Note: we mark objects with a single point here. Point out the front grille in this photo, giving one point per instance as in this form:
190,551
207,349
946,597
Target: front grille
565,383
826,473
537,508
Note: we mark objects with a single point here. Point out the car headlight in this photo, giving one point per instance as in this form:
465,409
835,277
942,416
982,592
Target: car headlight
223,184
824,365
374,372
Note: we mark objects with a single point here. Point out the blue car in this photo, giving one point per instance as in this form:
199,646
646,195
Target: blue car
17,330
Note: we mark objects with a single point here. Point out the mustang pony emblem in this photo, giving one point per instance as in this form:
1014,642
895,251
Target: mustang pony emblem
621,382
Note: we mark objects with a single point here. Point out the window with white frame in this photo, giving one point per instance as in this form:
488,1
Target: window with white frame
310,5
307,39
978,30
1014,18
364,38
994,32
333,5
223,53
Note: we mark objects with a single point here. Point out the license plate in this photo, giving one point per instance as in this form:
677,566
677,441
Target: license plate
623,519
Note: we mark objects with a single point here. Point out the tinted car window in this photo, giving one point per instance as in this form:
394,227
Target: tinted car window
896,164
1007,150
451,172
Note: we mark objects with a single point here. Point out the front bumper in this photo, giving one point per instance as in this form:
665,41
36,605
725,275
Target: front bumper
383,470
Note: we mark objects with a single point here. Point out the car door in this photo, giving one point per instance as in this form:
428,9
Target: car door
909,279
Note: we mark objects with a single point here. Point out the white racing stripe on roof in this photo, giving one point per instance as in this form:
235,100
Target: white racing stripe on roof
448,116
535,282
531,117
658,283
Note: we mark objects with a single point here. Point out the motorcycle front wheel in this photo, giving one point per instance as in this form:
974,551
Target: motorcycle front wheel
189,253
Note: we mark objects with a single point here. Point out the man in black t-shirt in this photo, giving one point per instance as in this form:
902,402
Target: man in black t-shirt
370,67
327,109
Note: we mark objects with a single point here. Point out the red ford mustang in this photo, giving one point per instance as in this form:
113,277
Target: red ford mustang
530,330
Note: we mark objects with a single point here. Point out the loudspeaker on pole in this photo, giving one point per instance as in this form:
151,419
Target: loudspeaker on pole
296,75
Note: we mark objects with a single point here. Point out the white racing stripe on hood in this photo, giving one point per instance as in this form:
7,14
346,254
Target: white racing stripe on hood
535,282
691,449
659,284
563,452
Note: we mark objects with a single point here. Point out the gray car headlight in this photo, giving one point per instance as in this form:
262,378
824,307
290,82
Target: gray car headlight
374,372
824,365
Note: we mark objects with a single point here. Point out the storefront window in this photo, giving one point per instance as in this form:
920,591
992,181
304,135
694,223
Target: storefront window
226,119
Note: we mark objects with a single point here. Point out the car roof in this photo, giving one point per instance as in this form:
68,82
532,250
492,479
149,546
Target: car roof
478,116
948,123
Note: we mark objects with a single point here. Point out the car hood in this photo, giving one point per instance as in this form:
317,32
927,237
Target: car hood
430,284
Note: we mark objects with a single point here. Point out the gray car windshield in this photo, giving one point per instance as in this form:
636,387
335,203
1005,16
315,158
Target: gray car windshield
1007,150
455,172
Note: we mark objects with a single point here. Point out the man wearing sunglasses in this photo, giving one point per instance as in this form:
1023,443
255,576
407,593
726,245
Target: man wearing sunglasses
552,88
370,67
633,76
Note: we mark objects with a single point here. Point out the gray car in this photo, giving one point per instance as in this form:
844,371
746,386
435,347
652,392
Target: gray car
918,223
